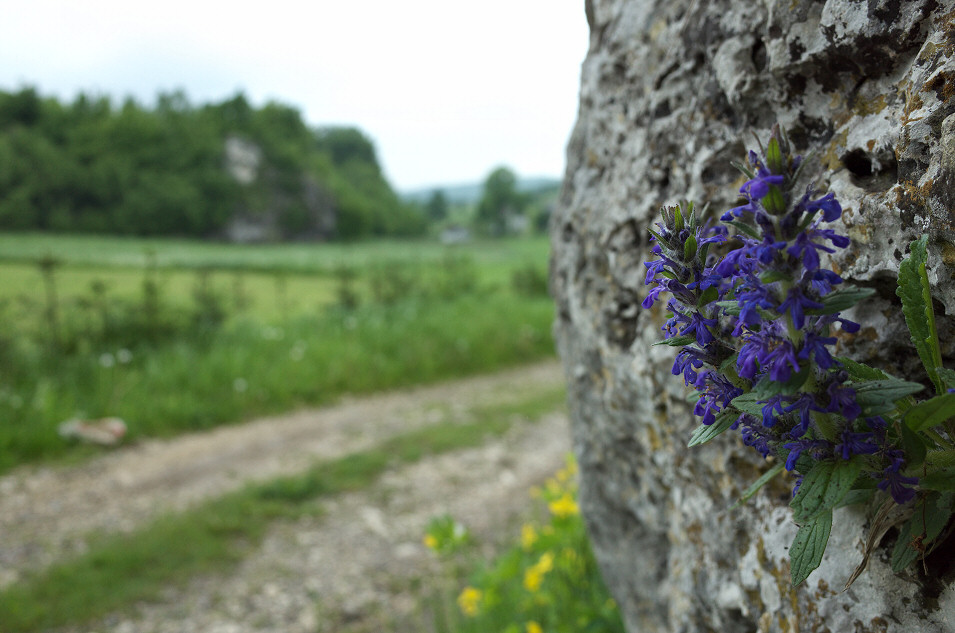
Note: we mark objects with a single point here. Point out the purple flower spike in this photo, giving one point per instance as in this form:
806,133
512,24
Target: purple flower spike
830,207
897,484
855,444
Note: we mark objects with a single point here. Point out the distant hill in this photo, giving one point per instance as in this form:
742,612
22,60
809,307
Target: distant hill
217,170
470,193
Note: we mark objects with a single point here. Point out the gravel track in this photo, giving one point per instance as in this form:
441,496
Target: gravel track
350,569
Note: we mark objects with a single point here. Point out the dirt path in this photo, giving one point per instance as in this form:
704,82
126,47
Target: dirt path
46,513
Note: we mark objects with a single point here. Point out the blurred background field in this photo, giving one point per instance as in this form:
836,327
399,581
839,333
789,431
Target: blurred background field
183,335
310,227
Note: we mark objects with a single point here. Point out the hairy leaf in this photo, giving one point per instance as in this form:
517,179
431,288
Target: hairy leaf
706,432
744,228
914,446
689,248
709,295
930,516
942,480
861,371
767,388
759,483
807,549
823,488
746,403
841,300
947,376
730,307
876,393
914,291
931,412
677,341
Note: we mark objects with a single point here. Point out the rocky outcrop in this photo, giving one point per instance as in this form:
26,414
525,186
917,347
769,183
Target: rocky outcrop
672,93
271,205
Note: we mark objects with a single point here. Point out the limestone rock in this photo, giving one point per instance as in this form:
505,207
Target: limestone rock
672,92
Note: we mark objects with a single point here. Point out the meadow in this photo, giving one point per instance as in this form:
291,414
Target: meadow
174,335
177,336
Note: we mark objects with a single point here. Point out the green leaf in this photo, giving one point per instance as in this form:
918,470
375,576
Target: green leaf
689,249
931,412
746,403
942,480
857,496
759,483
677,341
904,554
730,307
947,376
941,459
767,388
709,295
879,393
678,218
729,362
745,170
769,276
915,293
930,517
774,156
914,446
774,202
807,549
706,432
860,371
823,487
744,228
841,300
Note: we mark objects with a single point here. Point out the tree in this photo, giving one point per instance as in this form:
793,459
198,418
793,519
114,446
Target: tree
437,206
500,202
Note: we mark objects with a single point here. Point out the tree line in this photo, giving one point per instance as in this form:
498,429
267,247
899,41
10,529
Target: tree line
92,166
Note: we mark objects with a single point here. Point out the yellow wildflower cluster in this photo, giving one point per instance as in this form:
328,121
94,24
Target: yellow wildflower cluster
528,536
533,627
564,506
470,601
534,574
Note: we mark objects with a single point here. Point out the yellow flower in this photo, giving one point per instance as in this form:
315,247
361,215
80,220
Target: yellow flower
532,579
564,507
534,627
470,601
430,542
535,573
528,536
546,562
552,486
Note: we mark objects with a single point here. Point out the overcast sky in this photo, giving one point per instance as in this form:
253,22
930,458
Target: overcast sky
448,90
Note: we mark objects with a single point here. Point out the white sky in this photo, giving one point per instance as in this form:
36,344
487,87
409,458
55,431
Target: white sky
448,90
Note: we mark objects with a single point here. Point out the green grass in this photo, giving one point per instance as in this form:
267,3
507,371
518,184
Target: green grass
248,369
263,282
263,296
91,251
120,570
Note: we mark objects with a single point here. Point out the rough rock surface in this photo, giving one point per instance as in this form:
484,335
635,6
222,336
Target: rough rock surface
672,92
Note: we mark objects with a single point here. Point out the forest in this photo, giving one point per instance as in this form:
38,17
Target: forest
219,170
